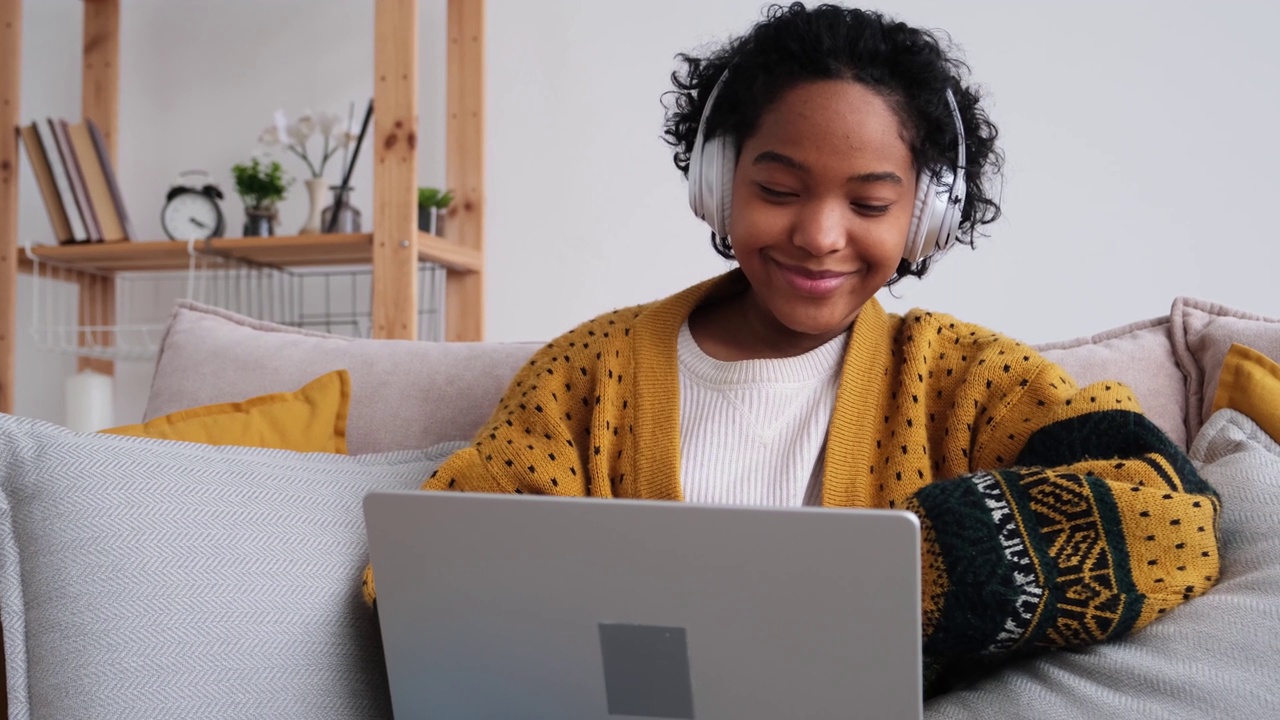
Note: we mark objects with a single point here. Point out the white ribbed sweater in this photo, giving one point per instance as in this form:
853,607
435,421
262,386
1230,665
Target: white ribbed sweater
752,432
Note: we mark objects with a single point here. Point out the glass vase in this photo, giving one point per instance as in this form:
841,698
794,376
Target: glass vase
259,223
348,214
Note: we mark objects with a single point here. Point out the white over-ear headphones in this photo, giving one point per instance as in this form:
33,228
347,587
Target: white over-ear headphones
935,220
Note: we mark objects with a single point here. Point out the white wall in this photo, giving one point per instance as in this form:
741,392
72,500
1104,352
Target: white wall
1139,138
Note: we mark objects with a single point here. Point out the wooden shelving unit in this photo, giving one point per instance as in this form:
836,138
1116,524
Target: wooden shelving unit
394,248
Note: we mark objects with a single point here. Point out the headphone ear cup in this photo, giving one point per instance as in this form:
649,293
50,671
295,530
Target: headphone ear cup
935,220
918,241
695,179
724,161
711,165
699,197
949,225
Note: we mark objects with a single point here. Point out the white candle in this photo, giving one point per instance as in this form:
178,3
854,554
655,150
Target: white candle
89,398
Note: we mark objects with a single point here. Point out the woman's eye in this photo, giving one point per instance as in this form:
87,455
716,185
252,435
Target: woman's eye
775,193
871,209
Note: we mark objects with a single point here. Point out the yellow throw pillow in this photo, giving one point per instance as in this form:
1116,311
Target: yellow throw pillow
310,419
1250,383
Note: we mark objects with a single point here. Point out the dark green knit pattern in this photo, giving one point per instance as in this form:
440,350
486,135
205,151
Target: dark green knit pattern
1109,434
982,591
988,526
1109,518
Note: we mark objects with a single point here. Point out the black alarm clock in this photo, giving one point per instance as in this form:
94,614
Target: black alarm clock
191,210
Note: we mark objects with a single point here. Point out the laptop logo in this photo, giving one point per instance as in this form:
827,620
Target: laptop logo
646,671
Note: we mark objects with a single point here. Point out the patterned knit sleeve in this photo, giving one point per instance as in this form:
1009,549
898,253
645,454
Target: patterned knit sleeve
533,441
1079,522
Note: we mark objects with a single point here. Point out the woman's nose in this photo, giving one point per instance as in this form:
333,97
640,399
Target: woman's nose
820,228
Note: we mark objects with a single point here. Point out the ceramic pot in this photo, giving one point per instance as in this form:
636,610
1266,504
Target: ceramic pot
431,220
316,188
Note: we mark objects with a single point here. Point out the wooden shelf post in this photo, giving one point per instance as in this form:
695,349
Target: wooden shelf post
10,82
100,102
10,86
464,161
395,171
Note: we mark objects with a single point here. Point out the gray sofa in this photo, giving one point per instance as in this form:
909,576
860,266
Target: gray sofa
147,578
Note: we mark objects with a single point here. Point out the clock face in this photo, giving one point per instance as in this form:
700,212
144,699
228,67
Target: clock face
191,215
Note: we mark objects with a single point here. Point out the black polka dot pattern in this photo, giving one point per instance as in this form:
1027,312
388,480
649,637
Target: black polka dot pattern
565,424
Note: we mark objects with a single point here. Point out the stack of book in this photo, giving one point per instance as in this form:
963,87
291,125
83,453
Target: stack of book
76,179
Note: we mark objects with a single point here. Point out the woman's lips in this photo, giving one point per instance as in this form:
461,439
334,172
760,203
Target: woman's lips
809,281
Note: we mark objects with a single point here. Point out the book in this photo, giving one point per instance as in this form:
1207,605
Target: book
93,172
66,154
109,173
29,138
79,232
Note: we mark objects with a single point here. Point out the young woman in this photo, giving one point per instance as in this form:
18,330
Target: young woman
834,152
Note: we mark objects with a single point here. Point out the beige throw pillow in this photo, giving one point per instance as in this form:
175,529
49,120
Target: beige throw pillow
1139,355
1203,333
405,395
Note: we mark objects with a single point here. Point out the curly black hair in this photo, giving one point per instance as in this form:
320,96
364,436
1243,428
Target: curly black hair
911,68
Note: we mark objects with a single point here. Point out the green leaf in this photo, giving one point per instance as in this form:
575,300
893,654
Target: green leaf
260,186
434,197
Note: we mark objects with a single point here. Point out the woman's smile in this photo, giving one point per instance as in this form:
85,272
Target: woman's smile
813,282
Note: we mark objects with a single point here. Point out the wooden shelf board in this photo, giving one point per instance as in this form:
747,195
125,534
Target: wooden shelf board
285,251
451,255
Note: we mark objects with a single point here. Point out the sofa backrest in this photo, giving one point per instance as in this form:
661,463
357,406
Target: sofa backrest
411,395
404,394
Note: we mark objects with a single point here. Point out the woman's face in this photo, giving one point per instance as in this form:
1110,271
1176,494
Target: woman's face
822,199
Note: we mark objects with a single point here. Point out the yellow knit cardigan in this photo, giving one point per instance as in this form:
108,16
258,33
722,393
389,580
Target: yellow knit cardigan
1051,515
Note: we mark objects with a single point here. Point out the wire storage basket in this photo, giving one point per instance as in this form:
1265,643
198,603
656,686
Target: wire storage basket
79,311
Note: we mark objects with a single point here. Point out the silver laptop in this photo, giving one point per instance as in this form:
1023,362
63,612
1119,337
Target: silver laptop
511,606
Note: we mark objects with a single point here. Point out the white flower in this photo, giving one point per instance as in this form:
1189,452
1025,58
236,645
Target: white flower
329,124
301,130
294,136
282,125
342,138
270,136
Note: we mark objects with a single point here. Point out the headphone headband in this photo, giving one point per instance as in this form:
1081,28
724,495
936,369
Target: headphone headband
960,142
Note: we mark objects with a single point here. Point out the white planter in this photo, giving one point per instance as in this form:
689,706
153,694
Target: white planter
316,189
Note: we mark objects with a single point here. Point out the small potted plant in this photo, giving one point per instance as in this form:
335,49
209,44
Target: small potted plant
432,204
261,186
